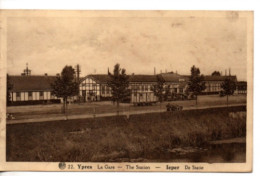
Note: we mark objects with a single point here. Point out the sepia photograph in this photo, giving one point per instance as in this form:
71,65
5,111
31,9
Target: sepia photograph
127,90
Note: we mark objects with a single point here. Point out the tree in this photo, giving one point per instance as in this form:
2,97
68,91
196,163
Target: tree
229,87
65,85
118,83
9,87
167,92
158,88
216,73
196,83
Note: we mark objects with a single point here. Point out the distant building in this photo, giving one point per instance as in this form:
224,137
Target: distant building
241,87
32,90
213,83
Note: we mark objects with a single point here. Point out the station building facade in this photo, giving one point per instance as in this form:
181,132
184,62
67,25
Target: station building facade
95,87
28,89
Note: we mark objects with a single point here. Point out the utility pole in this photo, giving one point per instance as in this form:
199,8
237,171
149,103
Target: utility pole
78,79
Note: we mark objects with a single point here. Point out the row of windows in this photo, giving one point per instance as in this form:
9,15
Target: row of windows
144,87
41,93
214,87
88,84
105,89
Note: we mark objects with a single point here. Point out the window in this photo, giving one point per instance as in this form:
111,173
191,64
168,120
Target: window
108,90
84,93
52,95
102,89
29,95
18,96
146,87
94,86
41,95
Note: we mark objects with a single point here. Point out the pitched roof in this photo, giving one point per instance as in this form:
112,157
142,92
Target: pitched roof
101,78
219,78
143,78
173,77
104,78
168,77
31,83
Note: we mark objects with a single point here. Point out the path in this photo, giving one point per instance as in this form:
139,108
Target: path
127,113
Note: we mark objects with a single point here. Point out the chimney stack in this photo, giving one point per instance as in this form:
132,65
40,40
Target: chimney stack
45,74
154,71
229,70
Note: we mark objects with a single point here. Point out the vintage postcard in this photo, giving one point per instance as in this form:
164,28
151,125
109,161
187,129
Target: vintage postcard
149,91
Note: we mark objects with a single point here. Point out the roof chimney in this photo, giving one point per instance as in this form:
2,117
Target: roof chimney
229,70
154,71
45,74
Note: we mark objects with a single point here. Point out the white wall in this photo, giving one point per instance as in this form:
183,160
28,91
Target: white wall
14,96
26,96
22,96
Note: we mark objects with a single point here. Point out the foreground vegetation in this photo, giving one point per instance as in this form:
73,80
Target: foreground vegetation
119,139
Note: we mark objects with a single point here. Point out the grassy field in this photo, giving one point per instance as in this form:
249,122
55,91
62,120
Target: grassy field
36,111
146,137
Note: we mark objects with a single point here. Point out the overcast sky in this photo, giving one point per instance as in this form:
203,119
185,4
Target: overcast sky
137,44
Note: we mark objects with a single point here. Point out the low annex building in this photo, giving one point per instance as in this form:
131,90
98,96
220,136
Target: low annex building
32,90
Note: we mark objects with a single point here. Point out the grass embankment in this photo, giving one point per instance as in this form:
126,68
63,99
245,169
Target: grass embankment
110,139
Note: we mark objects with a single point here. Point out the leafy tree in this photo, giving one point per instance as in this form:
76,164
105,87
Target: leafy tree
216,73
65,85
229,87
118,83
167,92
9,87
196,83
158,88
